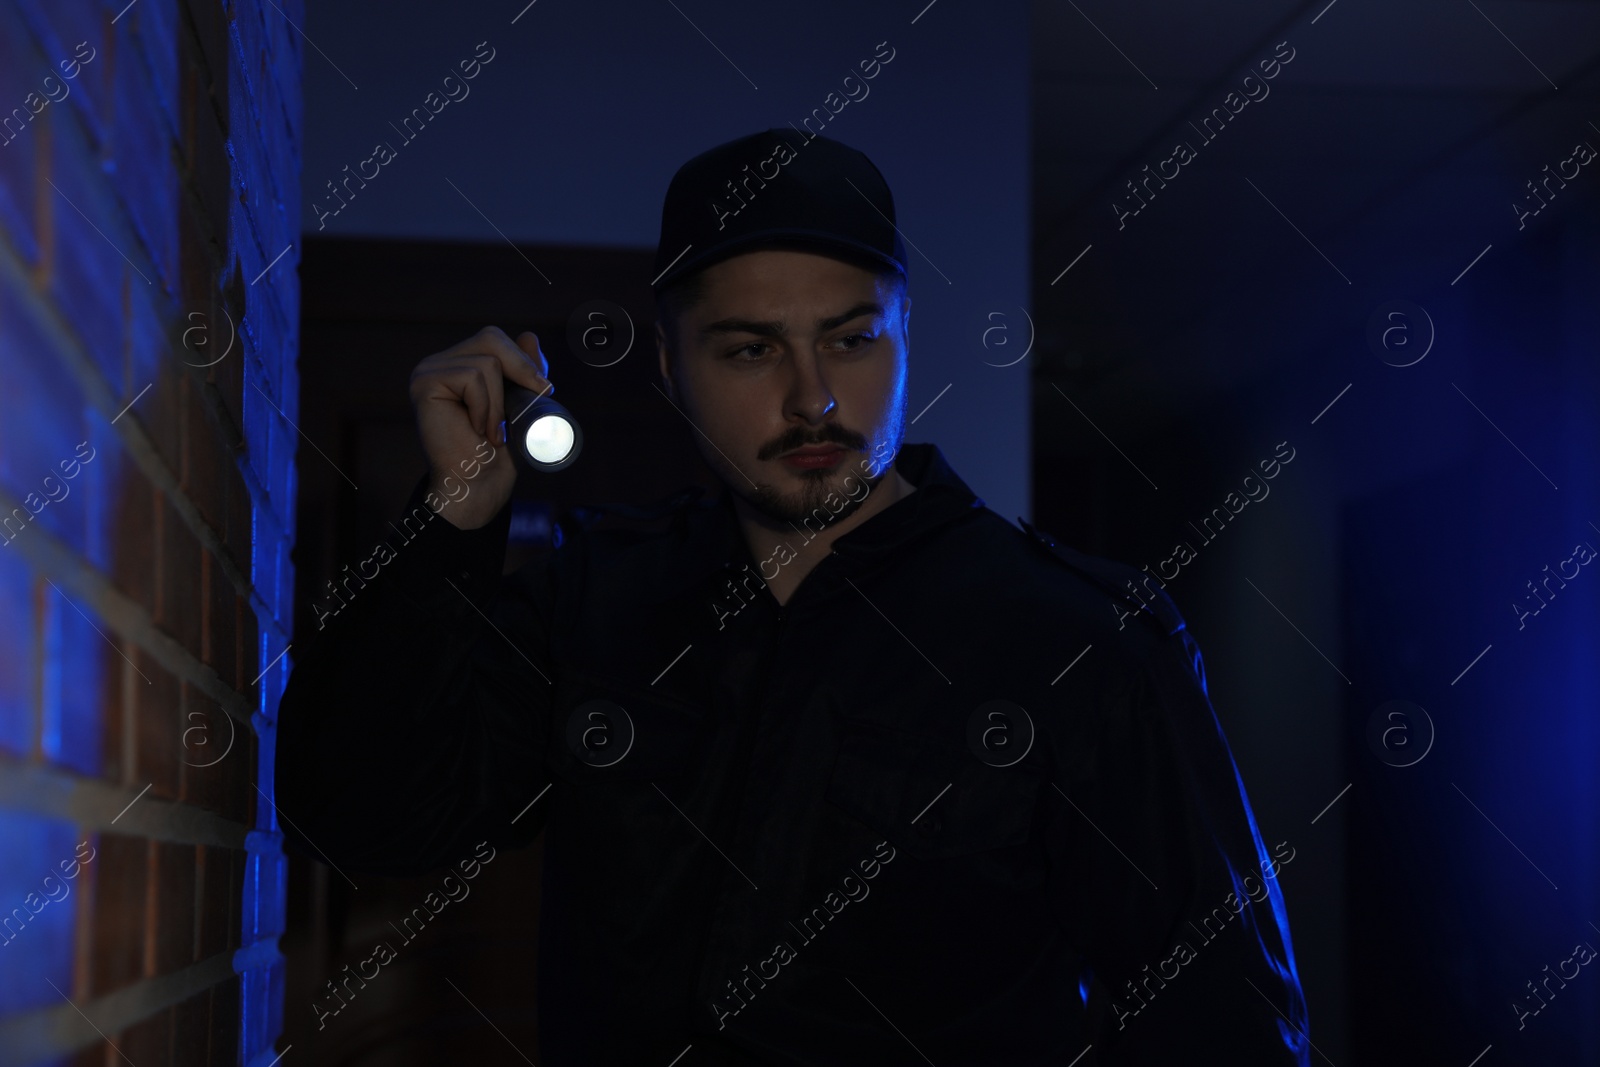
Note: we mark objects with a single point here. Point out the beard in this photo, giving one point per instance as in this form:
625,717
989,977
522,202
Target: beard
809,500
806,498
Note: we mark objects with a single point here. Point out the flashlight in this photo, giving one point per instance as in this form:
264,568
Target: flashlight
541,430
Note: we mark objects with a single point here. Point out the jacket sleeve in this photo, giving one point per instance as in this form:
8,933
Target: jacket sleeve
413,725
1163,882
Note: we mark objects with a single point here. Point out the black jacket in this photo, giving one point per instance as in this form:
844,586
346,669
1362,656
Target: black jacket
808,836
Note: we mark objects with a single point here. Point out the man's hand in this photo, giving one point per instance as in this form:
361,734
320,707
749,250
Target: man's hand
459,398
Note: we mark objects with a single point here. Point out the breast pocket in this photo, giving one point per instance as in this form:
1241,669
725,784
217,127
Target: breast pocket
930,796
604,730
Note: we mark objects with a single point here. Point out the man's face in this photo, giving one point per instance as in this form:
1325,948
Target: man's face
790,349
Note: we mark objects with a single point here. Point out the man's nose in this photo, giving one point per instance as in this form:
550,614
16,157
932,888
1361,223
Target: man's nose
809,394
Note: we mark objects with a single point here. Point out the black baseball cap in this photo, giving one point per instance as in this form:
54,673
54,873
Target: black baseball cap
780,187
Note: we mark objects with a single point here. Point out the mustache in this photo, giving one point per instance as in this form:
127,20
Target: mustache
830,436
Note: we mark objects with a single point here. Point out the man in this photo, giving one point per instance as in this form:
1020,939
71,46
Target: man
838,768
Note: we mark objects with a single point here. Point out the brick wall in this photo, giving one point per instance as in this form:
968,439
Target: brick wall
149,177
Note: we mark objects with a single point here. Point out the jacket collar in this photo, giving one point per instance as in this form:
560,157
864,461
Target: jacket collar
717,543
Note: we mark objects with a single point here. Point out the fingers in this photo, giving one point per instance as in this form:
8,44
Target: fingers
521,361
485,402
466,380
528,341
475,373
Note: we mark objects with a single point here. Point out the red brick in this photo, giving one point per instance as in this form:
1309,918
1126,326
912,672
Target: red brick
191,1023
224,1043
234,792
111,722
89,238
208,577
207,169
158,730
229,433
218,775
216,868
228,786
154,27
197,291
98,81
197,275
146,176
148,1041
178,611
221,627
152,905
46,416
21,153
228,374
136,531
59,28
160,412
249,657
118,923
204,457
84,949
92,1056
144,150
240,860
241,507
174,927
145,347
208,21
19,652
210,738
243,642
190,75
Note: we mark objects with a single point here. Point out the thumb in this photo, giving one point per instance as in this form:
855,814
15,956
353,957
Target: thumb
528,341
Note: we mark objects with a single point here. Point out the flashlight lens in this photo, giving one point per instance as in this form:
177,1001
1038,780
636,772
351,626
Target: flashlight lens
549,439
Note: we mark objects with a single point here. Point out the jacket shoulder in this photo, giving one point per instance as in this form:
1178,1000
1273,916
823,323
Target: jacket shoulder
1123,583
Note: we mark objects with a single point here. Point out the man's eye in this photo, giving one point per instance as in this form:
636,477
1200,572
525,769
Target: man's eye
744,350
861,339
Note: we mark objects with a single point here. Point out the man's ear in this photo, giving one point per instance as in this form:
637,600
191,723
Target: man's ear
661,356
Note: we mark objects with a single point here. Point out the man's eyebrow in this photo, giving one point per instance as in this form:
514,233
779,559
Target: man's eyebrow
778,329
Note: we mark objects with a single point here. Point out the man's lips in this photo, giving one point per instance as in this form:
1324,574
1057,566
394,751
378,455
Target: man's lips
815,456
813,450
